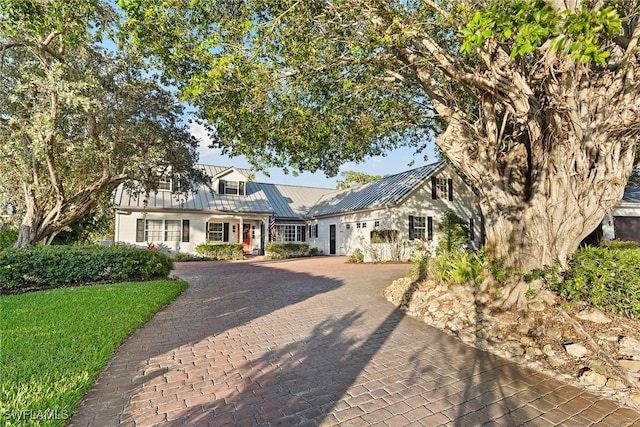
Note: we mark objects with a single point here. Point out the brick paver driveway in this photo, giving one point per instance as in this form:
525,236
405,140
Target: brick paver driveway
312,342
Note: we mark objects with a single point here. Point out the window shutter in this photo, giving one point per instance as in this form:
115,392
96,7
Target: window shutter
412,233
472,234
185,230
316,230
434,193
221,187
429,228
304,234
225,232
241,188
450,184
140,230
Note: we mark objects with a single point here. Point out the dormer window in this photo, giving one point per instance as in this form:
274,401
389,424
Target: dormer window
235,188
164,183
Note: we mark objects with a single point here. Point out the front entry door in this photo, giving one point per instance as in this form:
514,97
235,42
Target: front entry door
332,239
246,238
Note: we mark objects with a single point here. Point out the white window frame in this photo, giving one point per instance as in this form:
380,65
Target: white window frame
420,227
442,188
173,234
290,233
212,232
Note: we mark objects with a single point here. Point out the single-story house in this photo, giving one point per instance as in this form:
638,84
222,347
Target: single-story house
624,221
388,218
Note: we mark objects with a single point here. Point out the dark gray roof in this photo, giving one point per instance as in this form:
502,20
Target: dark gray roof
632,194
386,191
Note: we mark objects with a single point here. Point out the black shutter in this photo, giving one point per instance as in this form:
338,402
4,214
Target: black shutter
221,187
241,188
450,184
472,233
429,228
304,233
185,230
140,230
434,194
412,233
225,232
316,230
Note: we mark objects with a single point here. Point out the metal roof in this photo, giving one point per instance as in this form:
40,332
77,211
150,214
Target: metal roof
289,201
283,201
386,191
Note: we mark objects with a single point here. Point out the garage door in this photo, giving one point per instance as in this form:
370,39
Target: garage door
627,227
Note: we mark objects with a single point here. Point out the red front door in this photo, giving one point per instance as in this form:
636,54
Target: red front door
246,238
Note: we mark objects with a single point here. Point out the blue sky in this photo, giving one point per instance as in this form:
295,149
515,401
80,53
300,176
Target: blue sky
396,161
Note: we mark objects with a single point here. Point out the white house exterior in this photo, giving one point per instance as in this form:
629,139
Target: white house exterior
407,206
624,221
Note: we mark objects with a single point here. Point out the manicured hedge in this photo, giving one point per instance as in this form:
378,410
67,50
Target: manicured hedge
43,266
607,278
220,251
286,250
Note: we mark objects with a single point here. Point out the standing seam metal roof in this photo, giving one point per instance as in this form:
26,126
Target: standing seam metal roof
386,191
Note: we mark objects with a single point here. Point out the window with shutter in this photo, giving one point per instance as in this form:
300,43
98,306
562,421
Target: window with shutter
185,230
412,234
140,230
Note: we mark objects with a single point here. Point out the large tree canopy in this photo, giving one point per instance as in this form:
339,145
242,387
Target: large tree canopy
538,103
77,120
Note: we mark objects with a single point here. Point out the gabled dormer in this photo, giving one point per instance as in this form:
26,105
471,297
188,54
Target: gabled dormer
230,182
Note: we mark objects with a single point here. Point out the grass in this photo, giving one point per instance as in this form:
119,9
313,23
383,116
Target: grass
54,343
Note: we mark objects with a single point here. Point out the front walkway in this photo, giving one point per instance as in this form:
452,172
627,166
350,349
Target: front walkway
312,342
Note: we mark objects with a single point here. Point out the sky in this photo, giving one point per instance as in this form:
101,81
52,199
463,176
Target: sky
394,162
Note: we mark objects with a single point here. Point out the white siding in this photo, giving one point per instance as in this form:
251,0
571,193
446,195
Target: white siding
418,203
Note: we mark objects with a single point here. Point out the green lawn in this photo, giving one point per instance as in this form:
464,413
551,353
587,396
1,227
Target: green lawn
54,343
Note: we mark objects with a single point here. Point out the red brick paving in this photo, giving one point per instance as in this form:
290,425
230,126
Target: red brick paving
312,342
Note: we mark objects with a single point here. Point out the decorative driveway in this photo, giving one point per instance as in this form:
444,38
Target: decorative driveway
313,342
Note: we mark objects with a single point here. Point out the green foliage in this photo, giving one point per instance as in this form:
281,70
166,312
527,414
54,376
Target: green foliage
619,244
356,257
354,179
453,233
56,342
77,120
220,251
43,266
384,236
607,278
275,250
8,237
527,24
458,266
315,251
183,256
420,267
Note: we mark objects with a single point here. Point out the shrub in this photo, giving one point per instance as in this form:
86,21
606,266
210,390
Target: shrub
420,268
275,250
183,256
619,244
458,266
356,257
8,237
315,252
220,251
43,266
453,233
607,278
